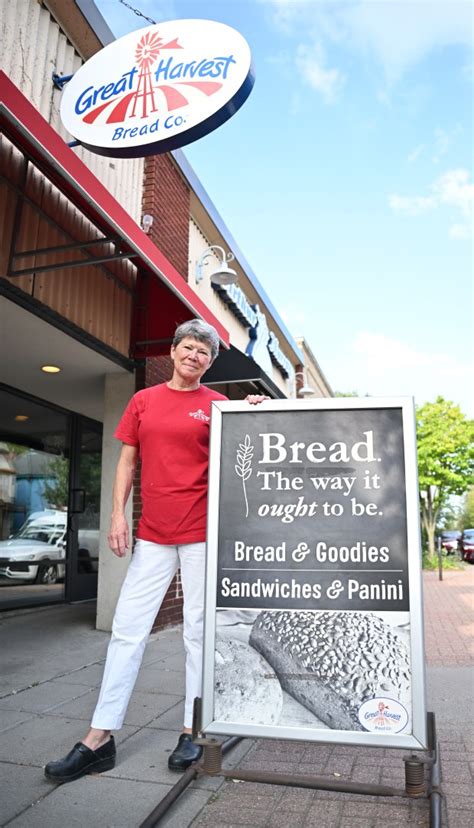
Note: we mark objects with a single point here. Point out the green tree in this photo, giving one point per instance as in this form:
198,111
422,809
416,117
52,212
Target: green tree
445,459
467,513
449,516
56,492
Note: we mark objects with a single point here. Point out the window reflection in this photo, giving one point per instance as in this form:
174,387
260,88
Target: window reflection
34,476
88,520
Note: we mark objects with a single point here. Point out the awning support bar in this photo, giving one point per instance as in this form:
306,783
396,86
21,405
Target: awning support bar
51,222
59,247
80,263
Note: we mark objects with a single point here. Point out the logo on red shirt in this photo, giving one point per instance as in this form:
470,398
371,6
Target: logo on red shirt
199,415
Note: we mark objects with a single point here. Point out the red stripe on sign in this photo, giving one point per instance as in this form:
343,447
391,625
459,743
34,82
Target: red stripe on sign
174,99
119,112
94,113
208,87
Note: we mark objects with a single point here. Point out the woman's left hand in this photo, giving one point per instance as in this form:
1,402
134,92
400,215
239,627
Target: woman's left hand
255,399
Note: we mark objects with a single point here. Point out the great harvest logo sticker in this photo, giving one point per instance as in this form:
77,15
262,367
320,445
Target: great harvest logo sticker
383,715
159,88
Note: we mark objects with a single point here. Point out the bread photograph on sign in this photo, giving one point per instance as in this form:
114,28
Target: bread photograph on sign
336,670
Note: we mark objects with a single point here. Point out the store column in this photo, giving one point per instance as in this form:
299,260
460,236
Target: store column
117,392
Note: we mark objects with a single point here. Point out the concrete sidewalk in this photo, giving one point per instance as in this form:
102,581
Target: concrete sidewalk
51,669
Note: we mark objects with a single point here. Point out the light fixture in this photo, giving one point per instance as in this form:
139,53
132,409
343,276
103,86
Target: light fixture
147,222
305,390
224,275
21,418
50,369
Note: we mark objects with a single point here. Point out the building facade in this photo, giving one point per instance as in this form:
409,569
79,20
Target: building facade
88,305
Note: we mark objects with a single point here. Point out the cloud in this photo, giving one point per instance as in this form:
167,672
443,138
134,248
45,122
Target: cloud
411,205
310,64
444,140
382,352
383,365
416,153
395,33
439,146
401,34
460,231
452,189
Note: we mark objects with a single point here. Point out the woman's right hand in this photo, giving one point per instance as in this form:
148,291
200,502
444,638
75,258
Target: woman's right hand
118,536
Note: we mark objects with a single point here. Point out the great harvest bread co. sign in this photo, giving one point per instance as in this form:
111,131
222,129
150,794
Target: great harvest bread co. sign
158,88
313,595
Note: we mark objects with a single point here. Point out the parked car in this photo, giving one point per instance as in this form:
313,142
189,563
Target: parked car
41,538
450,540
466,545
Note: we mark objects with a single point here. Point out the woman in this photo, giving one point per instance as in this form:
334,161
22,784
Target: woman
168,427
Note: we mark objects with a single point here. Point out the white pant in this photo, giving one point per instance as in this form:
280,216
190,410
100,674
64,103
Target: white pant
149,575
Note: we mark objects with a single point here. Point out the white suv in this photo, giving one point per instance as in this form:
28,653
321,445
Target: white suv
41,538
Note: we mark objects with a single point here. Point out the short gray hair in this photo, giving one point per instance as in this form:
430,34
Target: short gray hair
197,329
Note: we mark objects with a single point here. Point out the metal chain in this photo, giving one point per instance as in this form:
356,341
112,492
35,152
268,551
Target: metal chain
137,12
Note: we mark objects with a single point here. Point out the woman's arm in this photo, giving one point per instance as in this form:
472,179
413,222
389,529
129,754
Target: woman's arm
119,540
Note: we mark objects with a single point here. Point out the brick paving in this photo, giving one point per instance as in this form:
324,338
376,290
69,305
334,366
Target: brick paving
449,613
449,639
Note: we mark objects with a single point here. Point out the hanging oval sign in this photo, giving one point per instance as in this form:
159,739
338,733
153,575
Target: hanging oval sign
158,88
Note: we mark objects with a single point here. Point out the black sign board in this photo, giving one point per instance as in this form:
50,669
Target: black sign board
313,608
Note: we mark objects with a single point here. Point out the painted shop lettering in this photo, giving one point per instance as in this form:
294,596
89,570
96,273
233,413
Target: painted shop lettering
277,355
170,70
130,132
166,70
275,450
270,554
360,552
263,589
374,592
386,714
235,297
90,96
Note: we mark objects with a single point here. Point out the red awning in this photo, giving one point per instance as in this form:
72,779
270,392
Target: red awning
167,297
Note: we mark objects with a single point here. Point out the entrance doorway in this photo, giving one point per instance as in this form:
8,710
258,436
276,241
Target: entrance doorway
50,469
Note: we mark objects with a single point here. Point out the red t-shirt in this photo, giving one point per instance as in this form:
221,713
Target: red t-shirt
171,430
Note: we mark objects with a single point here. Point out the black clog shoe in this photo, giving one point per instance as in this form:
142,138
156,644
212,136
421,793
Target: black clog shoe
184,754
80,761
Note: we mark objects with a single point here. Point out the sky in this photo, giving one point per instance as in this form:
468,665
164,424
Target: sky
347,180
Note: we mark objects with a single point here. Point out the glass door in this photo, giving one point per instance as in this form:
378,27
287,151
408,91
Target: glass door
84,510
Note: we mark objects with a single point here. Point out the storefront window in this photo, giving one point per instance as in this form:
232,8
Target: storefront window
34,479
50,464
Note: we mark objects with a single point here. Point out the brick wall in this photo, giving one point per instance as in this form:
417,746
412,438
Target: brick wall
166,197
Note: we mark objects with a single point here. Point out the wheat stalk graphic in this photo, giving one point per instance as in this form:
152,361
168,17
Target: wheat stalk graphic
243,466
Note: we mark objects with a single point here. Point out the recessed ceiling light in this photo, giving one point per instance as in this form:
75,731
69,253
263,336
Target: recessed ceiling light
20,418
50,369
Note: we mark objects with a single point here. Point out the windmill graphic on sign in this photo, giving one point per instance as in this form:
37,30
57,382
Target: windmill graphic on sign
147,98
147,51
